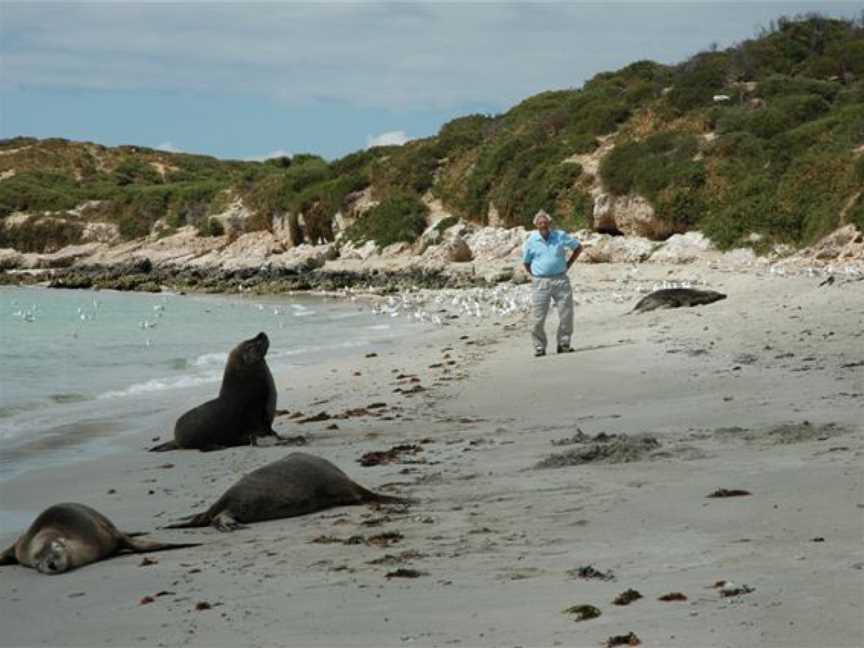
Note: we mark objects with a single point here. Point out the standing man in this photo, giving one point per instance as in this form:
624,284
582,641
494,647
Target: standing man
546,260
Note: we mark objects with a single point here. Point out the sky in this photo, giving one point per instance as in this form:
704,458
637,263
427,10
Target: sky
245,80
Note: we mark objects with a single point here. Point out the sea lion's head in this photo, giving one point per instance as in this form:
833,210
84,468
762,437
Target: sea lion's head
53,558
253,350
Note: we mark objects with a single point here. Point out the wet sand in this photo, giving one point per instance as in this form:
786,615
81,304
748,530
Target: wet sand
762,392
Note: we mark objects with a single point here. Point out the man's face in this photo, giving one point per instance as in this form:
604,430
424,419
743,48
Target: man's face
543,228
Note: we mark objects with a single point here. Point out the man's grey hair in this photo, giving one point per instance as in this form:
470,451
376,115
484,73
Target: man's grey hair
541,215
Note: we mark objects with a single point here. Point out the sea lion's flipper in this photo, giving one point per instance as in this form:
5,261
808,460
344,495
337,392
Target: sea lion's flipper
371,497
145,546
8,557
225,522
164,447
212,447
191,522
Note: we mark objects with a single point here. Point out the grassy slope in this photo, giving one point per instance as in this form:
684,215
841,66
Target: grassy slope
783,157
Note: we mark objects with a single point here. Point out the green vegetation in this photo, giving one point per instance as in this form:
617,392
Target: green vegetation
399,218
42,235
781,156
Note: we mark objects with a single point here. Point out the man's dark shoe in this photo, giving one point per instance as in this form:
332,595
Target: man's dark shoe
539,352
566,349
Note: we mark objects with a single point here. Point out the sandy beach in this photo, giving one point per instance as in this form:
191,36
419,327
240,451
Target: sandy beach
542,484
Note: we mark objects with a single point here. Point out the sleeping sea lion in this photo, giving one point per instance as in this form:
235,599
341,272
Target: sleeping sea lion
675,298
294,485
66,536
243,411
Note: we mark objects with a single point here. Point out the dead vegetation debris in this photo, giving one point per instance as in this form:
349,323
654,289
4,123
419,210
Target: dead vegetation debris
626,449
404,572
672,596
630,639
729,492
581,437
627,597
589,572
395,454
583,612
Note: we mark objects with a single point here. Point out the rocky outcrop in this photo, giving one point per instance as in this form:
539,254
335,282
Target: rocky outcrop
461,255
488,243
844,244
682,248
457,251
631,215
603,248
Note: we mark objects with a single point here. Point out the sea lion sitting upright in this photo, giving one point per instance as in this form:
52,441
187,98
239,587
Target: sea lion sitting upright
675,298
66,536
243,411
297,484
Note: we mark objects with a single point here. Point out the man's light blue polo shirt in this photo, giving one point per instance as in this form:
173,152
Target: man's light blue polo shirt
548,257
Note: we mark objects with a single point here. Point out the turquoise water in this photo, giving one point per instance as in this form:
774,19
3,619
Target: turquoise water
83,367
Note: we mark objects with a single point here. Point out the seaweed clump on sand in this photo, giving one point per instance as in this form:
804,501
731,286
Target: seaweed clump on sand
624,449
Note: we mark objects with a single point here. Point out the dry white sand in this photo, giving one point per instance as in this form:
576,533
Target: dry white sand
761,392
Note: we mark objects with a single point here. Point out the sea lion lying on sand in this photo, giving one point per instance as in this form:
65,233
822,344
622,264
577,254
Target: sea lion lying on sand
243,411
675,298
66,536
294,485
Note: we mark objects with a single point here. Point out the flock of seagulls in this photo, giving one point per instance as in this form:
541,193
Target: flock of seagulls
438,307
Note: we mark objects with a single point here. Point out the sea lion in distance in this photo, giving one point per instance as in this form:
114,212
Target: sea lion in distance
675,298
297,484
243,411
66,536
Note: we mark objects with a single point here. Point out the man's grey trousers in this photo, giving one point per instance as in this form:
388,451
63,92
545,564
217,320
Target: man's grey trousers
546,290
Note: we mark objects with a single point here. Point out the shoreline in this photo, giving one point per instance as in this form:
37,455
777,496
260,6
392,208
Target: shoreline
761,391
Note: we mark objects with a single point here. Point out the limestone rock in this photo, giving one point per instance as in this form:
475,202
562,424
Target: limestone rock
520,275
631,215
66,256
100,233
846,243
493,217
682,248
497,243
603,248
457,251
10,259
401,248
351,250
738,258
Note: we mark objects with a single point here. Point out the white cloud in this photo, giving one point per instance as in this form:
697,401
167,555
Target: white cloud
169,147
425,55
390,138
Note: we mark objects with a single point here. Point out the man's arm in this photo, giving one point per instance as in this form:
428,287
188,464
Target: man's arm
528,268
574,255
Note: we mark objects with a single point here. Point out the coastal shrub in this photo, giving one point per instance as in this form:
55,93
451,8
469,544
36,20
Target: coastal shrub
445,223
580,214
464,133
399,217
40,235
780,85
135,171
812,194
651,165
698,80
664,168
37,191
407,168
729,223
355,163
535,181
214,228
